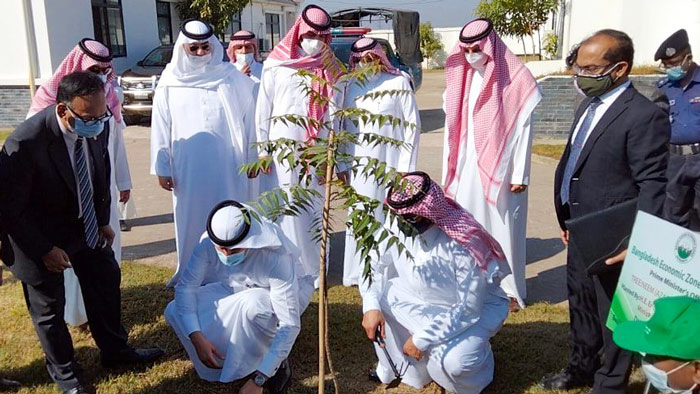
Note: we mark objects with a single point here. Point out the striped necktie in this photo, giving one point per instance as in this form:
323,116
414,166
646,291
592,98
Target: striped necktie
86,201
576,148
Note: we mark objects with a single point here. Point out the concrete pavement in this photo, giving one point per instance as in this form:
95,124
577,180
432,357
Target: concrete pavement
152,241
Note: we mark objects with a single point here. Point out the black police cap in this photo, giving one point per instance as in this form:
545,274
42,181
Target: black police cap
673,45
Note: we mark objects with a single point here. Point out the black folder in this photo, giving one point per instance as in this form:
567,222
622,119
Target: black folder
600,235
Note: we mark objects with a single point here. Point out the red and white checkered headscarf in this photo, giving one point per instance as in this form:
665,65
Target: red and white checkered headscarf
505,89
445,213
376,50
324,64
78,60
237,41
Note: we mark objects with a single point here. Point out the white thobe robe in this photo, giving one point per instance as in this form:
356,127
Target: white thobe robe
281,93
402,159
250,312
255,73
193,142
507,220
120,180
447,303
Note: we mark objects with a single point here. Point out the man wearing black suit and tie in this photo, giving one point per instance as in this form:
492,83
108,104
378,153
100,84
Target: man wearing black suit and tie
54,208
617,151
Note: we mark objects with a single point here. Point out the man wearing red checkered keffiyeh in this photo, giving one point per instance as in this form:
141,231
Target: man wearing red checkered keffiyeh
438,313
368,53
284,92
243,53
489,100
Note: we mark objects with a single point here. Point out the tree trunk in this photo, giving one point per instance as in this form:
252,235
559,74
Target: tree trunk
532,38
322,269
522,39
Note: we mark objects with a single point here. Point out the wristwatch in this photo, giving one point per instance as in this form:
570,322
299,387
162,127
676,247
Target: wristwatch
259,379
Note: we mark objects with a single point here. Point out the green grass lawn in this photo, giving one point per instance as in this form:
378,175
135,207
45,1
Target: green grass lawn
532,343
553,151
4,133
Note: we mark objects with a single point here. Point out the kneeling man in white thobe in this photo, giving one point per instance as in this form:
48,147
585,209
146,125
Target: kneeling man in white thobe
439,313
238,304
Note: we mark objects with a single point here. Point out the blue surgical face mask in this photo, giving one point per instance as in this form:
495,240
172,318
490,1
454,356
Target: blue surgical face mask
659,379
87,130
676,73
232,259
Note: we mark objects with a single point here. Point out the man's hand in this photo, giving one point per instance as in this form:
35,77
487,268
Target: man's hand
618,258
564,237
166,182
206,351
106,236
250,388
56,260
344,177
370,321
410,349
518,188
124,195
246,69
265,169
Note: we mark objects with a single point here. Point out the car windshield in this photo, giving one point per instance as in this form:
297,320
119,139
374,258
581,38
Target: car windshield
159,57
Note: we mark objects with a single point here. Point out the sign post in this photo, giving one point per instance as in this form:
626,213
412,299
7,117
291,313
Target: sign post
662,261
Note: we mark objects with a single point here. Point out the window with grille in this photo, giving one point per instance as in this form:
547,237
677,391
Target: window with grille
272,31
165,28
108,22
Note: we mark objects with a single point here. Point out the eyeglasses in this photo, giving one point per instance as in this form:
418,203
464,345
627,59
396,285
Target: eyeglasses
665,65
195,47
593,70
91,122
100,70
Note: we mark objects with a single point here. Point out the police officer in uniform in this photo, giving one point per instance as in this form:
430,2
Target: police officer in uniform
681,92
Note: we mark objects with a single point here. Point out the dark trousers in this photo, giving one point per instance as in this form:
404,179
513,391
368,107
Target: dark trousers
593,352
99,277
682,205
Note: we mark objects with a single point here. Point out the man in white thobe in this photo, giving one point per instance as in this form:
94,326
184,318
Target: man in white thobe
238,304
283,92
202,131
489,100
243,53
367,52
93,56
438,314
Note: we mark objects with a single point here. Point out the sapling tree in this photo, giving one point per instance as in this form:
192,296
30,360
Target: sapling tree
321,192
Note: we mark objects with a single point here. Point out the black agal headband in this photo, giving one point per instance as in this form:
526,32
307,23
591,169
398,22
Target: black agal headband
477,37
314,25
194,36
367,47
95,56
243,37
228,243
414,199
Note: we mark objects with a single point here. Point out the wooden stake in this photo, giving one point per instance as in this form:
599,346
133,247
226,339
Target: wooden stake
322,269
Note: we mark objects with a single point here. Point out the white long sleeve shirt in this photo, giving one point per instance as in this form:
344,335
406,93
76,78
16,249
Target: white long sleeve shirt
272,269
445,276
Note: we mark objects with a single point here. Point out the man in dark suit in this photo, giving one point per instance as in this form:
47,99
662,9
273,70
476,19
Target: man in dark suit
617,151
54,207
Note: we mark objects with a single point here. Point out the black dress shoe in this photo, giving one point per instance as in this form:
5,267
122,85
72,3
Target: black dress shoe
279,383
132,356
124,226
76,390
372,375
7,384
565,380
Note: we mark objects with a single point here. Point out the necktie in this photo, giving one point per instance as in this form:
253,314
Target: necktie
576,148
89,218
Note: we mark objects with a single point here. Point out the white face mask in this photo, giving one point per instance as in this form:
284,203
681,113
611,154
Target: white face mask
311,46
244,58
476,59
103,77
659,379
199,61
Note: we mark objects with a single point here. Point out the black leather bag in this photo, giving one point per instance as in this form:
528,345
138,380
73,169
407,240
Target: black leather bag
600,235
